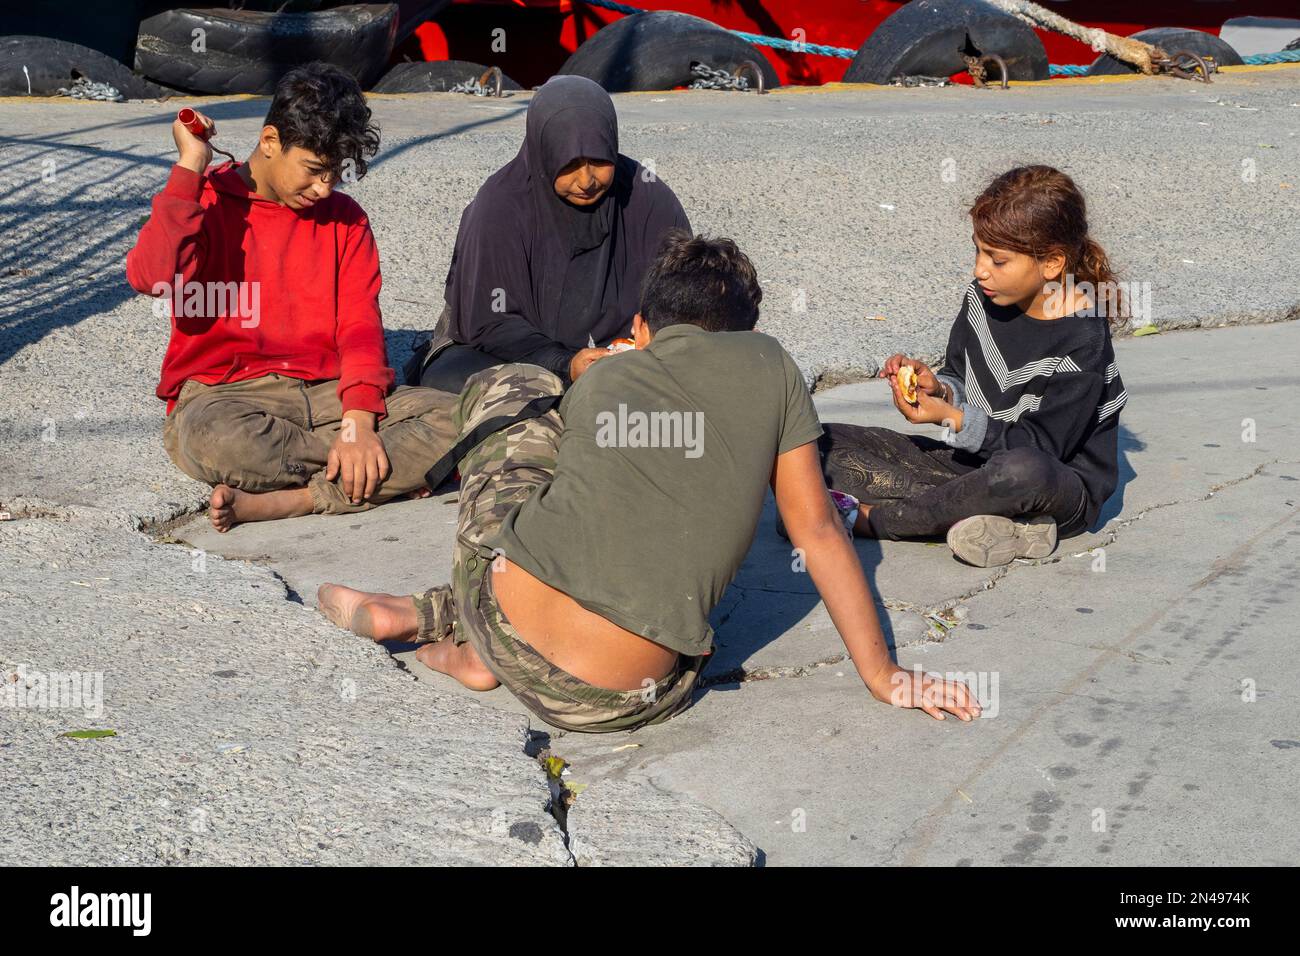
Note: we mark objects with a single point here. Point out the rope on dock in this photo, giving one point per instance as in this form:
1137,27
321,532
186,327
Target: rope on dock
848,53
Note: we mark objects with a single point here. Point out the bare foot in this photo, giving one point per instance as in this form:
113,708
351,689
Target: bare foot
229,506
419,493
221,508
380,617
461,662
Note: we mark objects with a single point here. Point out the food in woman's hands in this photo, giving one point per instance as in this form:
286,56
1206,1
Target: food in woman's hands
621,345
907,383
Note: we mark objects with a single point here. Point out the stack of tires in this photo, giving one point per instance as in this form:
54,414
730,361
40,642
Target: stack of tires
204,50
215,50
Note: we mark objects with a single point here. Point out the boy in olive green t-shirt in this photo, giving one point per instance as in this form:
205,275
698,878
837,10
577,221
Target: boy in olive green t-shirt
595,538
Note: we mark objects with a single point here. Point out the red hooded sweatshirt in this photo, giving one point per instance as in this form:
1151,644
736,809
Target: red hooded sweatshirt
307,304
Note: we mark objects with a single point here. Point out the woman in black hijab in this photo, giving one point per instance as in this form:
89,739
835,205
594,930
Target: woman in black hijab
550,255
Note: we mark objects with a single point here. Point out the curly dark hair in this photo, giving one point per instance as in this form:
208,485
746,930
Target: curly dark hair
700,281
322,109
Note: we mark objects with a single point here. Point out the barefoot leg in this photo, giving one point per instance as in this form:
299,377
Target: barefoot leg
229,506
380,617
459,661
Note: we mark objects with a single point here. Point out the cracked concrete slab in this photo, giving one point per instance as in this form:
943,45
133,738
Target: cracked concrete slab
782,694
235,743
860,238
248,730
1149,713
623,823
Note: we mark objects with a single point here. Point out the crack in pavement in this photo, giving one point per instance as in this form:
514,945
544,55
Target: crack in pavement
742,675
931,820
160,534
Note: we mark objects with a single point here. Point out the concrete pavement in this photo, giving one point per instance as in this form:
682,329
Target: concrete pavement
251,730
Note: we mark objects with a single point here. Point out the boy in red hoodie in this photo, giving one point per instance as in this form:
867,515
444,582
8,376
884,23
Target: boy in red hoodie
276,377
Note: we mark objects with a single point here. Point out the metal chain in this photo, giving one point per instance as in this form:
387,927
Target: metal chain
707,78
918,80
491,83
84,89
473,87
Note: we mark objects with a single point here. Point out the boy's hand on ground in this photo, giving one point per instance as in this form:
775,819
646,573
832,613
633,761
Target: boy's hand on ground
925,378
194,151
893,685
357,457
584,360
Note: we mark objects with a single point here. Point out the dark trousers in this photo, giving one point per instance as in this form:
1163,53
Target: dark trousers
919,487
454,365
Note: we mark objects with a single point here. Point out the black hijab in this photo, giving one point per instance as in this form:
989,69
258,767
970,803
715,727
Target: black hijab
534,277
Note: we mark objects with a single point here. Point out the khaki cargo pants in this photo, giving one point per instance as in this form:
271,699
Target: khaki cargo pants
497,475
275,432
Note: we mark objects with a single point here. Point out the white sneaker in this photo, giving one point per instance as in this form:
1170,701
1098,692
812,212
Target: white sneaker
989,541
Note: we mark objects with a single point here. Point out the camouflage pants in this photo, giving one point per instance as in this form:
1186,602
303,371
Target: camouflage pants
272,432
497,475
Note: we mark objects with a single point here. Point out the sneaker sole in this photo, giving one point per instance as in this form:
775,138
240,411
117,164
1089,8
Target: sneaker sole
988,541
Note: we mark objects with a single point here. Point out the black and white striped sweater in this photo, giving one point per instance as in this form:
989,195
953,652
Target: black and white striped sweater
1051,385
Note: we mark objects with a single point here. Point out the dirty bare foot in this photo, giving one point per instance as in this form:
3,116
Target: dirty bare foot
229,506
380,617
221,507
419,493
459,661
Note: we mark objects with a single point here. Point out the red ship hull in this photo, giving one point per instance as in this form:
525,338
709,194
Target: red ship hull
555,28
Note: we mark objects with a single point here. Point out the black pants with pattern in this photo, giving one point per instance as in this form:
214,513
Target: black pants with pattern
919,487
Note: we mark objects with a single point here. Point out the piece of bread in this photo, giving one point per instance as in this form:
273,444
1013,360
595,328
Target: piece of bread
907,383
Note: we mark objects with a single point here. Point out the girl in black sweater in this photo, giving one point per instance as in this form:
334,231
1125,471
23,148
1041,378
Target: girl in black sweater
1029,394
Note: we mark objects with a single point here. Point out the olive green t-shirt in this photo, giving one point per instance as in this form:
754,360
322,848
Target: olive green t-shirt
664,462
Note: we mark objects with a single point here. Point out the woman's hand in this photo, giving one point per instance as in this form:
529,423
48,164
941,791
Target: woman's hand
195,152
925,378
893,685
357,456
583,361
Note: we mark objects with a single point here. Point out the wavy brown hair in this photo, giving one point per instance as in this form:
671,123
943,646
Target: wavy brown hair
320,108
1038,211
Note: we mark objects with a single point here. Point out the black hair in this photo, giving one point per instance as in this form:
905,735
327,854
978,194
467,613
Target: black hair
321,108
700,281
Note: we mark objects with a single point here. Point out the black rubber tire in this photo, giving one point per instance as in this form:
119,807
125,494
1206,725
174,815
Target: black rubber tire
106,27
54,63
435,76
926,37
248,51
1170,39
415,12
655,51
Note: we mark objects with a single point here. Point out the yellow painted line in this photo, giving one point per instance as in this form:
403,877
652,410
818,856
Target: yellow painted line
834,87
1257,67
1036,84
